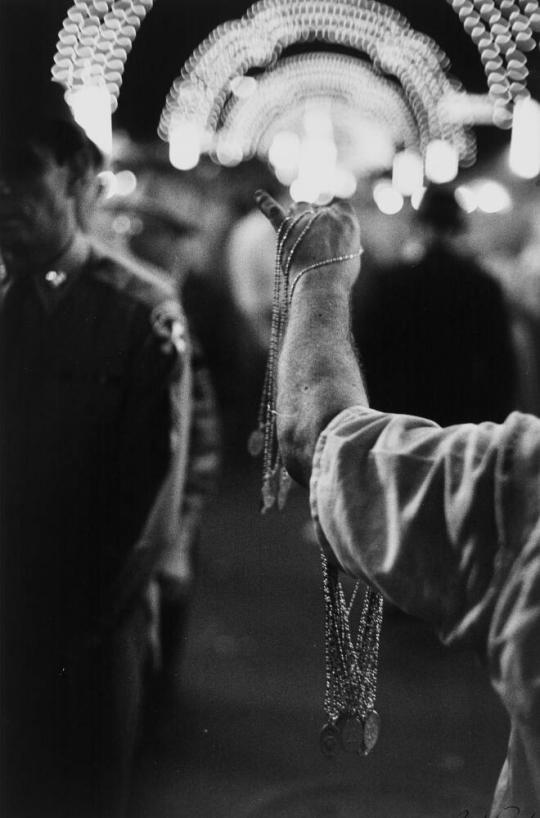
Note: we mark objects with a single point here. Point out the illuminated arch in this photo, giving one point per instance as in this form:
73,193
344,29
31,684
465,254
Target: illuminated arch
378,33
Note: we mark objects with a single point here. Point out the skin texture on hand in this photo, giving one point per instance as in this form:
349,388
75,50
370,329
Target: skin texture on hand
318,374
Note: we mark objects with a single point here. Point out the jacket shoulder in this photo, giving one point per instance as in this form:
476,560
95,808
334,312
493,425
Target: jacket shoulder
145,289
127,277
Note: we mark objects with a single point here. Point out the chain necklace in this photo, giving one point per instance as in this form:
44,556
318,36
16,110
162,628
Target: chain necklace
351,663
351,668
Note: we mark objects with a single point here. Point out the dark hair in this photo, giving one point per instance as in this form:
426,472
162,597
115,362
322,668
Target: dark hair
66,140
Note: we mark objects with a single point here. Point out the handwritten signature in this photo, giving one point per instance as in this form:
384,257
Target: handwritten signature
510,811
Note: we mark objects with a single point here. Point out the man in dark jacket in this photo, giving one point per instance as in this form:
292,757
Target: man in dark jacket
91,357
443,317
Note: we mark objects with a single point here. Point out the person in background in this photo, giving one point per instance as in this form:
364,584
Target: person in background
445,317
92,353
159,231
444,522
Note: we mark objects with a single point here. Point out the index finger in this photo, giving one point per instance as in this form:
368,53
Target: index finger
269,208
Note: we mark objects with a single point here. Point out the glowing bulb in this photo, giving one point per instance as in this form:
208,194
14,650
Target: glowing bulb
344,183
243,87
524,157
492,197
107,180
303,190
387,198
184,145
442,161
91,107
229,154
417,197
284,155
407,172
466,198
126,183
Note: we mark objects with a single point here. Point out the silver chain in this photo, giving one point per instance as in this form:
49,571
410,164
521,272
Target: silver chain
351,663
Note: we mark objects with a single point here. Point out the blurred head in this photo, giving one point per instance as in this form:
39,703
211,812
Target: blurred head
47,168
440,212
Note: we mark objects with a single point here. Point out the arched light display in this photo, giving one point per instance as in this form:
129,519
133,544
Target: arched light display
354,92
505,33
93,44
203,97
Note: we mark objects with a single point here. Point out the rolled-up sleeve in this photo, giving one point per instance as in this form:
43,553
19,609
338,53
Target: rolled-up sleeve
419,511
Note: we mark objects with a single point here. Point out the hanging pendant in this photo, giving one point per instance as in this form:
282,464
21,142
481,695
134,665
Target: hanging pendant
256,442
268,495
372,728
329,740
285,483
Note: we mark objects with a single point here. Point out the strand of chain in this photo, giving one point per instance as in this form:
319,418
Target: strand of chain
351,666
317,265
275,480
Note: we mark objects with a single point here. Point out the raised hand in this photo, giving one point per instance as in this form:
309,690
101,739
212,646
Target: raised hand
333,235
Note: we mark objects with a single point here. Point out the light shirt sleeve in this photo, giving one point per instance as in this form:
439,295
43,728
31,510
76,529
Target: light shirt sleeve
425,513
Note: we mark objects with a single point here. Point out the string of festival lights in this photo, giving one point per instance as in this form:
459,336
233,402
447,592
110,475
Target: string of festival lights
197,101
505,33
276,103
93,45
211,105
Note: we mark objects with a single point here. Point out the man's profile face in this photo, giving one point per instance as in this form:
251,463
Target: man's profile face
36,208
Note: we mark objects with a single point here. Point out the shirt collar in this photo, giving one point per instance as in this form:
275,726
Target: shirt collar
56,280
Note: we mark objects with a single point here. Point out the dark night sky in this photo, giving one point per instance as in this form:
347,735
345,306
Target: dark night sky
173,28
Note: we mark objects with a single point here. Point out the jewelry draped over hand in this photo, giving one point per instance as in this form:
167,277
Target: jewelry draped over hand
275,479
351,662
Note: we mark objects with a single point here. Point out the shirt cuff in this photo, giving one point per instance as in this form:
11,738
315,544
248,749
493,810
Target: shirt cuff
351,413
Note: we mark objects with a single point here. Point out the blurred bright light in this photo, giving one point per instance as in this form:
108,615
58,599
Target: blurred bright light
317,157
470,109
442,161
108,183
407,172
524,157
185,145
492,197
229,154
344,183
417,197
243,87
303,190
284,155
91,107
122,225
387,198
466,198
125,183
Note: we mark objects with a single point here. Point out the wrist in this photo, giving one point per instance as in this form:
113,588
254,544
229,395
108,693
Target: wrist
334,276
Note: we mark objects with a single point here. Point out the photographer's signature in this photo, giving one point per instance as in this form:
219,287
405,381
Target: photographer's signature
510,811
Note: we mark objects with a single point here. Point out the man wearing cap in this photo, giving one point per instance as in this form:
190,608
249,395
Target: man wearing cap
91,356
444,315
444,522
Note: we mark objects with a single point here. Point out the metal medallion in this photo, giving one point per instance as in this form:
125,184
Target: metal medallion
352,734
284,488
329,740
372,728
256,443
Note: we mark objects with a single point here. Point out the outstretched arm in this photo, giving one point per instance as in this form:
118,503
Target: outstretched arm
318,374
